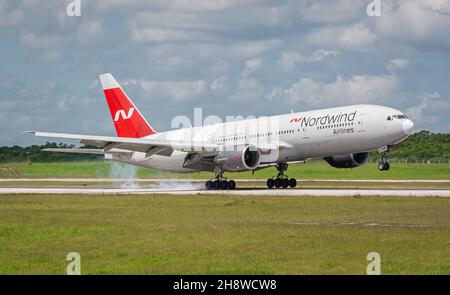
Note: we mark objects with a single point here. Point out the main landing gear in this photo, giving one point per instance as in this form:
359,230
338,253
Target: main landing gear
281,181
384,165
220,183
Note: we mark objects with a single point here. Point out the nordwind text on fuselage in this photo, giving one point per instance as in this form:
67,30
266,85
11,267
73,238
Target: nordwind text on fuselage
325,120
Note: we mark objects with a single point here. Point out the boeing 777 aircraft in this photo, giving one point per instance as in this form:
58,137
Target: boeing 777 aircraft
342,136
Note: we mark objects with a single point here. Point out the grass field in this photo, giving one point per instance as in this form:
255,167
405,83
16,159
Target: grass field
309,170
223,235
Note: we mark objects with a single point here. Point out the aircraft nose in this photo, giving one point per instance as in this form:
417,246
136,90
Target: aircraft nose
408,126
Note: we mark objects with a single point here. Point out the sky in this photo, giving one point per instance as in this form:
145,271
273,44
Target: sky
228,57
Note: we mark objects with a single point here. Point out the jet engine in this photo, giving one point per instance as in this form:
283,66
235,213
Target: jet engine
241,159
348,160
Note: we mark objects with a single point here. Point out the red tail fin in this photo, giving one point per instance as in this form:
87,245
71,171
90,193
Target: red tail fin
127,119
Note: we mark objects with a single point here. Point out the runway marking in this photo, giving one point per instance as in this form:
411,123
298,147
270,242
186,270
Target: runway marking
237,192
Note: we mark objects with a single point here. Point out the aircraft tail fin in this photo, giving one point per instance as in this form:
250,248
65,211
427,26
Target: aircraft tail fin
127,119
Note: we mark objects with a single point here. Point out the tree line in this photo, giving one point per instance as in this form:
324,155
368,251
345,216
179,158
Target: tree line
35,153
422,145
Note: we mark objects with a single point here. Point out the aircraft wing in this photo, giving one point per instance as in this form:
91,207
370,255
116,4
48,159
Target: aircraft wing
148,146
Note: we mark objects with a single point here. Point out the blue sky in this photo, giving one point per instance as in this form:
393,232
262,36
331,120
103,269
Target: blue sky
230,57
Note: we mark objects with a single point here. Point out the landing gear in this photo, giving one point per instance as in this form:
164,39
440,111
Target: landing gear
220,183
384,165
281,181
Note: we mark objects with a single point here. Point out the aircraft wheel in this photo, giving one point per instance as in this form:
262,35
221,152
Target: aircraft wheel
208,185
384,166
216,184
277,183
284,182
231,184
224,185
292,182
270,183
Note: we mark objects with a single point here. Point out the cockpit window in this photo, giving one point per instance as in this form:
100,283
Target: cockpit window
389,118
397,117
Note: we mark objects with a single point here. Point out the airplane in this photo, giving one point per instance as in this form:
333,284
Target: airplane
342,136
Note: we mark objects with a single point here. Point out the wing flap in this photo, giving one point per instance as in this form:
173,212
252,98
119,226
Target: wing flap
74,150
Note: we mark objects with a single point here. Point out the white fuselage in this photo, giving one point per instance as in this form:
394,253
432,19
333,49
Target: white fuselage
291,137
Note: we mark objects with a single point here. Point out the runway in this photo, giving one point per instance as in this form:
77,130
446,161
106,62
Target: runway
155,180
238,192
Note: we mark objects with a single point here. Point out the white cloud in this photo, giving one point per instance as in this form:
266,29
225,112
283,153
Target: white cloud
203,5
179,91
247,90
253,48
289,59
251,65
8,17
354,90
219,83
415,21
90,31
158,35
321,54
397,64
431,110
441,6
357,36
48,56
42,41
333,11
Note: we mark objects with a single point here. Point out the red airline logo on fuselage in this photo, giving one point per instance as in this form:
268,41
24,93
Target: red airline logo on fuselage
296,120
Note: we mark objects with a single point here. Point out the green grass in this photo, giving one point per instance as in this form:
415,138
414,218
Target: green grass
309,170
223,235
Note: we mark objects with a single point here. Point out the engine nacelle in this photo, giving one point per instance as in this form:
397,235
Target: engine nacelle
245,158
347,161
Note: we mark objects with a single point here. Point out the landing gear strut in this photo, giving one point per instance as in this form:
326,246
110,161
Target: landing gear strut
220,183
281,181
384,165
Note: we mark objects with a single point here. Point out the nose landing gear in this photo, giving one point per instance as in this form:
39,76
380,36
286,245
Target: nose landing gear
282,180
384,165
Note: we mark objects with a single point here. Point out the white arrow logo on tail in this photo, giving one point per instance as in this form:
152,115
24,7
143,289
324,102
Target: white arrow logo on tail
121,113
